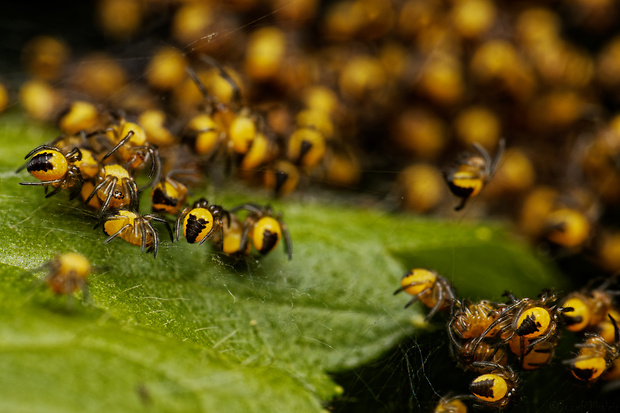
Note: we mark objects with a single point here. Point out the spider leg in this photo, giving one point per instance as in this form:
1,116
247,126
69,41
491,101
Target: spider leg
21,168
74,175
227,215
142,225
437,304
221,227
454,342
461,204
74,155
510,296
208,233
413,300
616,331
155,171
179,221
257,209
447,288
54,192
288,242
490,328
203,90
247,226
177,172
110,192
485,154
118,145
38,148
132,188
498,155
43,183
548,334
152,153
163,221
155,239
117,233
411,284
97,188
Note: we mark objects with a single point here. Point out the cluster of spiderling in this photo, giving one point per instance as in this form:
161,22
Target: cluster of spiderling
485,335
493,340
100,167
429,77
185,118
99,154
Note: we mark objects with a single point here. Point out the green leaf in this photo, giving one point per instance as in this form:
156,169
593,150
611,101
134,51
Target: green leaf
195,331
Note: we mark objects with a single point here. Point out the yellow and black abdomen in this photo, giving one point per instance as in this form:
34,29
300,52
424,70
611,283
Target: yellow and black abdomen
48,165
266,235
165,198
197,224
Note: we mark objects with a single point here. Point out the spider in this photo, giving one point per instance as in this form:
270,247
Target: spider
79,116
496,386
264,229
134,228
132,148
595,355
230,244
469,320
282,177
306,146
200,221
115,187
55,168
589,306
89,163
468,178
568,228
206,135
156,126
67,273
467,356
169,194
433,290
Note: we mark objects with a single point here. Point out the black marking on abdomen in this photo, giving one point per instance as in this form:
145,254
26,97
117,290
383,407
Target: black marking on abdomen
41,162
281,178
162,198
583,374
460,191
528,326
269,241
483,388
304,149
570,320
194,227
